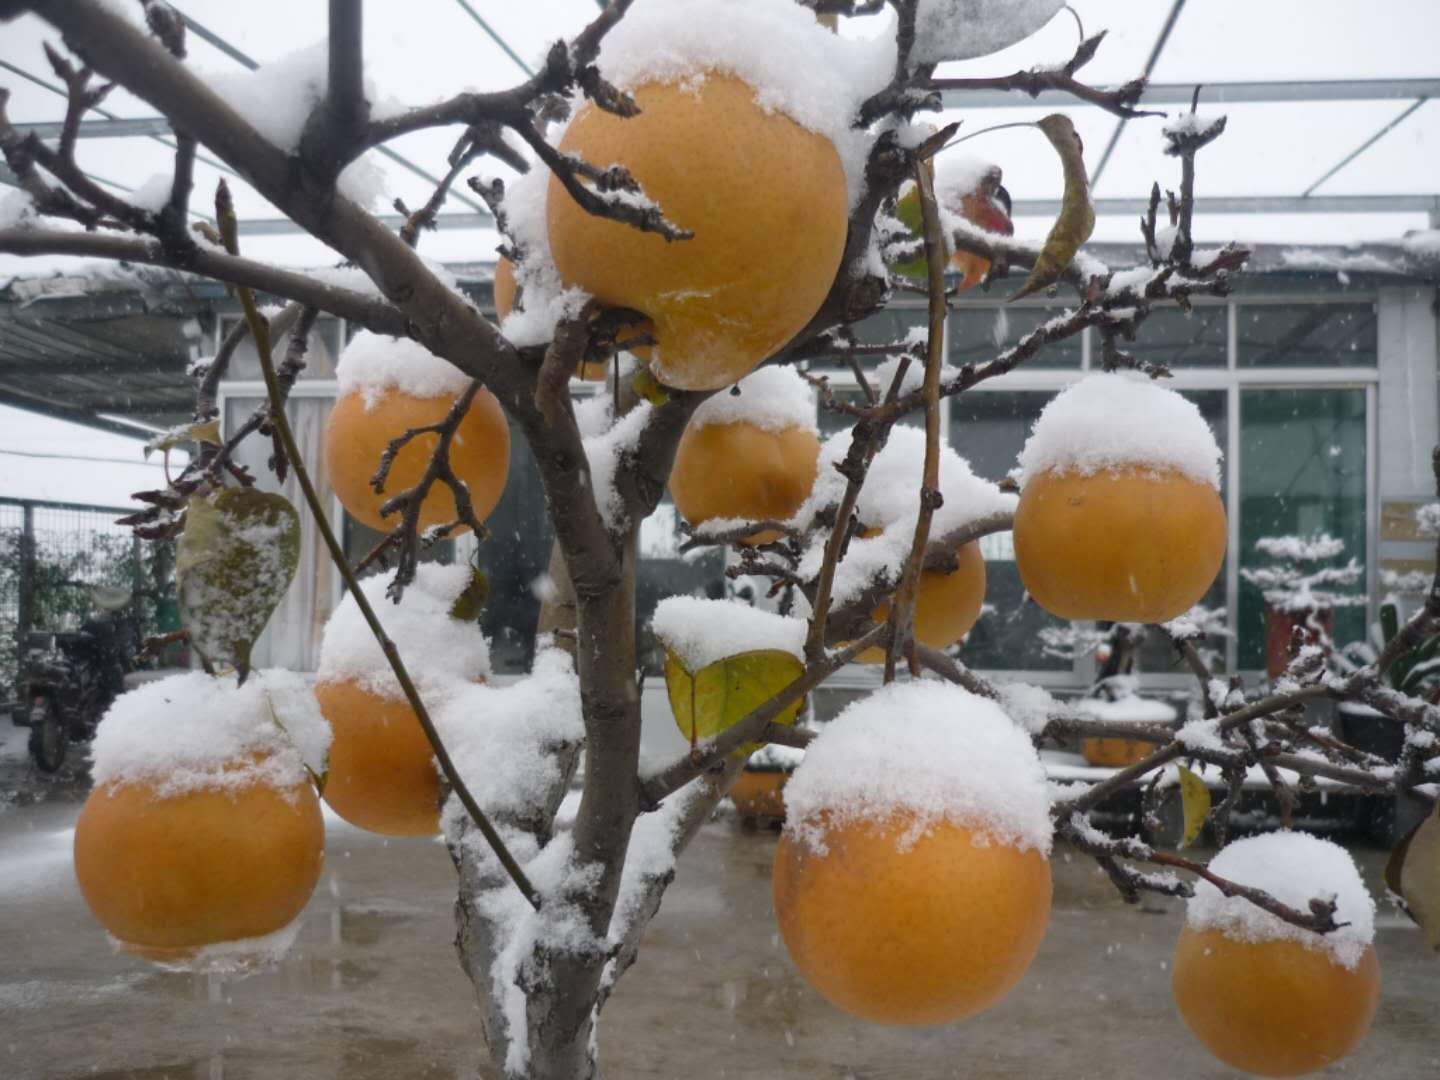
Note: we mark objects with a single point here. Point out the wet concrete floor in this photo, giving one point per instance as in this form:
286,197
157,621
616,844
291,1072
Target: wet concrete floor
371,990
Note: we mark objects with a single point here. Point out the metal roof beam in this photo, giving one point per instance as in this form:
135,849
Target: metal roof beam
1215,93
59,410
1371,141
1170,21
1219,93
1213,204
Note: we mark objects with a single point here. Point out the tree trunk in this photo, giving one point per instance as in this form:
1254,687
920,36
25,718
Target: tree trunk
560,979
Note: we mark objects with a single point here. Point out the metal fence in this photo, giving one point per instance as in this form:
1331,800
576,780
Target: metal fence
52,554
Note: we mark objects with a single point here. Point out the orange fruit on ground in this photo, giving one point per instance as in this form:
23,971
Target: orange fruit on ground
946,605
741,470
1273,1008
505,289
765,198
760,793
382,774
170,874
922,933
1115,753
355,437
1131,544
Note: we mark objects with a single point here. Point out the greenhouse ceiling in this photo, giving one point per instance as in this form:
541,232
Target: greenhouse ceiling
1333,138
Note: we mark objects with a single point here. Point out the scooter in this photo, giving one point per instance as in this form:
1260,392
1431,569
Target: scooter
68,680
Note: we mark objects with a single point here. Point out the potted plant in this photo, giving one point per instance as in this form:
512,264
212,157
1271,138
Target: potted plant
758,792
1416,673
1302,590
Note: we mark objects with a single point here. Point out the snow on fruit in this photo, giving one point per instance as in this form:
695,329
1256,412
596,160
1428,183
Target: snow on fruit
732,147
912,882
1120,515
506,290
388,386
203,833
1262,994
952,590
383,775
749,456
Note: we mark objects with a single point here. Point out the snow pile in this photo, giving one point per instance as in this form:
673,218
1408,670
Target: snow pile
1295,868
958,175
890,502
702,632
771,398
773,757
1129,709
929,750
965,29
242,956
882,377
1029,706
561,924
195,731
606,452
1422,242
278,98
542,300
796,66
1110,421
17,209
373,364
503,739
1427,519
441,653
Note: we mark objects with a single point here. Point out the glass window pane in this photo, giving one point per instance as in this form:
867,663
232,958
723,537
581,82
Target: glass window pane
1302,471
320,353
1325,334
989,428
1171,337
978,334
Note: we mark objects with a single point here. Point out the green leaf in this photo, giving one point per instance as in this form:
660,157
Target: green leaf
725,692
471,601
1195,800
649,388
1415,867
1077,216
236,557
907,209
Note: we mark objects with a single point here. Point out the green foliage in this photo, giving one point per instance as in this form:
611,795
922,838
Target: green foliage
719,696
66,567
236,558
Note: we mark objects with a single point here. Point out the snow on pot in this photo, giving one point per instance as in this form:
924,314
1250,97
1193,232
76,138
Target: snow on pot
758,792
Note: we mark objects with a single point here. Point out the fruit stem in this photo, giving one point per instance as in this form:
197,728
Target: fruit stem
260,332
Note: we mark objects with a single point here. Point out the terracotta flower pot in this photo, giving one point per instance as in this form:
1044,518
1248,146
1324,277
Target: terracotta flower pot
1282,641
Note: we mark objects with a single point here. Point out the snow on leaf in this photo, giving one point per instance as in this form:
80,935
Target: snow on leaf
965,29
236,558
